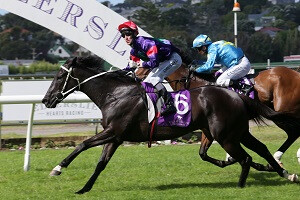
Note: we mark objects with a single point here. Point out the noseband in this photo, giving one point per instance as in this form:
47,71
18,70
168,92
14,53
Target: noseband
61,95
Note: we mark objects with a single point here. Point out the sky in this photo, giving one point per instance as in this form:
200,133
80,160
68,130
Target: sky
114,2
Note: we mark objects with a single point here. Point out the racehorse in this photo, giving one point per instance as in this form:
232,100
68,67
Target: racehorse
121,100
278,88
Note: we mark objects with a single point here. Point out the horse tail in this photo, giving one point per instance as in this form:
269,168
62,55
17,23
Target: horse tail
257,110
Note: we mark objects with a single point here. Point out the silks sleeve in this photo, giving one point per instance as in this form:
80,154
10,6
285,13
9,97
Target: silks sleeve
152,54
133,56
209,64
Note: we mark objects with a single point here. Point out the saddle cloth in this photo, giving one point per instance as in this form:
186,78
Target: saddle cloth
181,118
246,87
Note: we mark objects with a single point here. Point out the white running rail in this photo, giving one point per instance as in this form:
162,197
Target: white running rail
33,99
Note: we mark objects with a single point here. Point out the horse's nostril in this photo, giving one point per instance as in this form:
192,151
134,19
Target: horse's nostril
60,96
44,100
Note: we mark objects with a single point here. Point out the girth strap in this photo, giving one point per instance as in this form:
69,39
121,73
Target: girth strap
152,128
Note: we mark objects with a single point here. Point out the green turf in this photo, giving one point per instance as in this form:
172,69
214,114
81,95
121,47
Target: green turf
136,172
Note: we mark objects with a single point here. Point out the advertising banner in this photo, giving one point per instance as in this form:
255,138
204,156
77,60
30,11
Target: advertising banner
64,111
86,22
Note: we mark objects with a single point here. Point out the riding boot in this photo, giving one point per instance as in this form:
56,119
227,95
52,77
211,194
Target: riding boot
170,108
235,84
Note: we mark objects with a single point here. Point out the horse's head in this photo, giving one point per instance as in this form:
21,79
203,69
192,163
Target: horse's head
63,84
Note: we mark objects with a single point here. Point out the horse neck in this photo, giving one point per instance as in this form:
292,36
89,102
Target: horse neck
103,89
95,88
178,79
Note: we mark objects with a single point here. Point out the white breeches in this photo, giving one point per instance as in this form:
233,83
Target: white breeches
164,69
235,72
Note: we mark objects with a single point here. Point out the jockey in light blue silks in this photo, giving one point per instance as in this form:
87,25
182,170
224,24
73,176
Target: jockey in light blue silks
159,55
234,62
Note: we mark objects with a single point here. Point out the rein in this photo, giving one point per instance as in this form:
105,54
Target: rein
62,93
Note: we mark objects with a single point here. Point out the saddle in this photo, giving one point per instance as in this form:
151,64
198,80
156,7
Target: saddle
244,85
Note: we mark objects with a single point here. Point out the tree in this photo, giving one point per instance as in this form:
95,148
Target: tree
135,2
22,36
10,20
178,18
278,46
260,47
14,44
42,41
152,26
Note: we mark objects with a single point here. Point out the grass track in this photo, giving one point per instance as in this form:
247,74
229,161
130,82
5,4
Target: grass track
136,172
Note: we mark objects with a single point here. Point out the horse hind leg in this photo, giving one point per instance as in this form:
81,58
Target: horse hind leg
105,136
205,144
240,155
107,153
255,145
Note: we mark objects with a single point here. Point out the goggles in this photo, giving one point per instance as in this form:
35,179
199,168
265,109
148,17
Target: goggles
126,33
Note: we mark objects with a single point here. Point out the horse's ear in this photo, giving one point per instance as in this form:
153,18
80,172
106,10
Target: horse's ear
74,62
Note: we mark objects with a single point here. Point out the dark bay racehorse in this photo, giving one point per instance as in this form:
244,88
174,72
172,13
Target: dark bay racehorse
279,88
121,100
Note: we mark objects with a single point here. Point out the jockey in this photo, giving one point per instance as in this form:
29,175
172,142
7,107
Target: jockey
234,62
159,55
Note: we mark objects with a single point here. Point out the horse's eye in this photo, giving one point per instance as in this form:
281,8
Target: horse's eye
60,76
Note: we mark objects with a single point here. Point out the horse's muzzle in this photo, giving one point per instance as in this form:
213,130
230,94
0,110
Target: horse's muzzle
45,101
52,101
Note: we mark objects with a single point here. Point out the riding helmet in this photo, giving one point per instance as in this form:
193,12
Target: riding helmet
201,40
129,26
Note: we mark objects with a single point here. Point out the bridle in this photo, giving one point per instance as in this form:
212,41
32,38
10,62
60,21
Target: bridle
61,95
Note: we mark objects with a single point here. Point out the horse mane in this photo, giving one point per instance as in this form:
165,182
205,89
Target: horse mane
96,65
210,77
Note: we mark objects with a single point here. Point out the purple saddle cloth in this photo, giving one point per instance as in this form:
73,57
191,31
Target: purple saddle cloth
245,87
182,101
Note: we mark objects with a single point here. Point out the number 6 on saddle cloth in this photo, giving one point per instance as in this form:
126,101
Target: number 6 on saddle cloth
182,101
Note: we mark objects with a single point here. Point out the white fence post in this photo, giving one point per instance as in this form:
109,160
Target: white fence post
28,139
33,99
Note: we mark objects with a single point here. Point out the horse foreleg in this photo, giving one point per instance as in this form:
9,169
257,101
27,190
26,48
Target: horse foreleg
293,135
107,153
105,136
205,144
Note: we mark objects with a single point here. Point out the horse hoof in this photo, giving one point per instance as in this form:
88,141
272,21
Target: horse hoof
79,192
231,159
54,173
294,178
82,191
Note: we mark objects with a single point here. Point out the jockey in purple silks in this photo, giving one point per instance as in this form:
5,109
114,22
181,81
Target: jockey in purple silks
159,55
